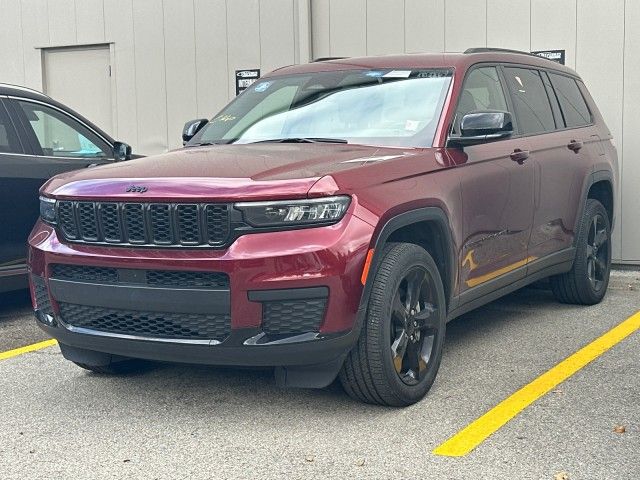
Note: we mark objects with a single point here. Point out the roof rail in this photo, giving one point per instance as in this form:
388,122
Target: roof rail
499,50
326,59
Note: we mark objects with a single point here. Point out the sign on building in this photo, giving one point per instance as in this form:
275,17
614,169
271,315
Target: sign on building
244,78
553,55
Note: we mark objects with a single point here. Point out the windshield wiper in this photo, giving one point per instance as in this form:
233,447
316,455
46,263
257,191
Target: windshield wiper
304,140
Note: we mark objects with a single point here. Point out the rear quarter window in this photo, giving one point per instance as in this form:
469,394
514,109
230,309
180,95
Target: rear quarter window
574,108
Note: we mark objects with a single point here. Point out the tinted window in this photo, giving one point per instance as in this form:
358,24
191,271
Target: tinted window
531,103
574,108
555,106
60,135
482,91
8,140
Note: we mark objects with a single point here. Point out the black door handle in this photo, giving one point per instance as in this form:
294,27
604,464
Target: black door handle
519,156
575,146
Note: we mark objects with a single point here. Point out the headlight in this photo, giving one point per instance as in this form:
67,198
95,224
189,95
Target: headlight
294,212
48,209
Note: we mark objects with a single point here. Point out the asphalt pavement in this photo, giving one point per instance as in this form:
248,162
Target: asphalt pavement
177,421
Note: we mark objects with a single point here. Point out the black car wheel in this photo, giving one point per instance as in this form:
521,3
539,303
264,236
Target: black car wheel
400,347
586,283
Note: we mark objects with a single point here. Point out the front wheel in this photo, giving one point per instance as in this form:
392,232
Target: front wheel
399,350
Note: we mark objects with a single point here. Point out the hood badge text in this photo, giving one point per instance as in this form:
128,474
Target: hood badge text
136,189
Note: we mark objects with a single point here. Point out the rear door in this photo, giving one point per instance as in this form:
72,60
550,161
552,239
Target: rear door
540,119
497,193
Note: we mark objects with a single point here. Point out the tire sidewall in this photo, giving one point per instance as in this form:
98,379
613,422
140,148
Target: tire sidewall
415,257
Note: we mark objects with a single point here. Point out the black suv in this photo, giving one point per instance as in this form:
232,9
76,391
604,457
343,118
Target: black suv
39,138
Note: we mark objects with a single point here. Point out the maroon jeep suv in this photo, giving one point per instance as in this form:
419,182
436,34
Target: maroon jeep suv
330,221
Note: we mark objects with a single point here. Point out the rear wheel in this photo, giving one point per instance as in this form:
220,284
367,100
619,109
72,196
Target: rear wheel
586,283
400,347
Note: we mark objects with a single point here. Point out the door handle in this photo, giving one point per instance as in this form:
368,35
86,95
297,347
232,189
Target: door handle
575,146
519,156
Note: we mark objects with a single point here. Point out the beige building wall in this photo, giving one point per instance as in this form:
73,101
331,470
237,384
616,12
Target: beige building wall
174,60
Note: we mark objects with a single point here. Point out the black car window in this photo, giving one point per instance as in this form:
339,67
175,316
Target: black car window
574,108
530,100
9,142
60,135
482,90
553,98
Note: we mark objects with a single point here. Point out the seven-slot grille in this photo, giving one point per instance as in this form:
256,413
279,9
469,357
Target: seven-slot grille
152,224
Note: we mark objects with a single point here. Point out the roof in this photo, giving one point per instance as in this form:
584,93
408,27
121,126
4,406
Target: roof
460,61
17,90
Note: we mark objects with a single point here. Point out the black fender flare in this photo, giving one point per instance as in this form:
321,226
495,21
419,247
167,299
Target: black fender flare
595,177
434,214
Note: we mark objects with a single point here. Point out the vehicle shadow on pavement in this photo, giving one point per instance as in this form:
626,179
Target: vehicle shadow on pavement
229,390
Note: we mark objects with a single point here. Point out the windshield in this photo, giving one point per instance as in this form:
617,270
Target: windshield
372,107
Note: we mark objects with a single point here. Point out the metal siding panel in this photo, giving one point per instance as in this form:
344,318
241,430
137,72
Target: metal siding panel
508,24
320,27
180,67
595,57
11,46
277,46
89,21
243,32
424,26
150,76
465,25
627,225
385,27
35,33
553,27
348,28
62,22
213,78
119,30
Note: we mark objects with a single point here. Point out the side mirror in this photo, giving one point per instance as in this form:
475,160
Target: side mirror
121,151
482,127
191,128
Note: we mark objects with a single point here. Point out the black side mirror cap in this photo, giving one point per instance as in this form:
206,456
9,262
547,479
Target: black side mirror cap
191,128
121,151
483,126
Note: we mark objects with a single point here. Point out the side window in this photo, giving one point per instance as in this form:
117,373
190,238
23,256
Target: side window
553,98
482,90
9,142
62,136
574,108
530,100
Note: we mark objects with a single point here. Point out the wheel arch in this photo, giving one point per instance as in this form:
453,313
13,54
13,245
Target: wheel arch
427,227
600,186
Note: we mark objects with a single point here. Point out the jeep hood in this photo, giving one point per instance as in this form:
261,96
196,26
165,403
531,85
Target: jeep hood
229,172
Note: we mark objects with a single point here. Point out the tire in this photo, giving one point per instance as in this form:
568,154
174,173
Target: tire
586,283
116,368
370,373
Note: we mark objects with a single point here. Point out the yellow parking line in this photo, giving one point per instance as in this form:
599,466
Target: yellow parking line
478,431
29,348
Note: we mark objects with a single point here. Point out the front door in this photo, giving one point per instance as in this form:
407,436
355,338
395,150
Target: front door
497,194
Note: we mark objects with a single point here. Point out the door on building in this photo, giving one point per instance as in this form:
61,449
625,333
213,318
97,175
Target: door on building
80,77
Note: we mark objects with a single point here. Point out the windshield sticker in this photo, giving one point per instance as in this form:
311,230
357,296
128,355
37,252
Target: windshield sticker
374,73
224,118
411,125
262,87
398,74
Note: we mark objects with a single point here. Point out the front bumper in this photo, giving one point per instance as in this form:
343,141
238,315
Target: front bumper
318,265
